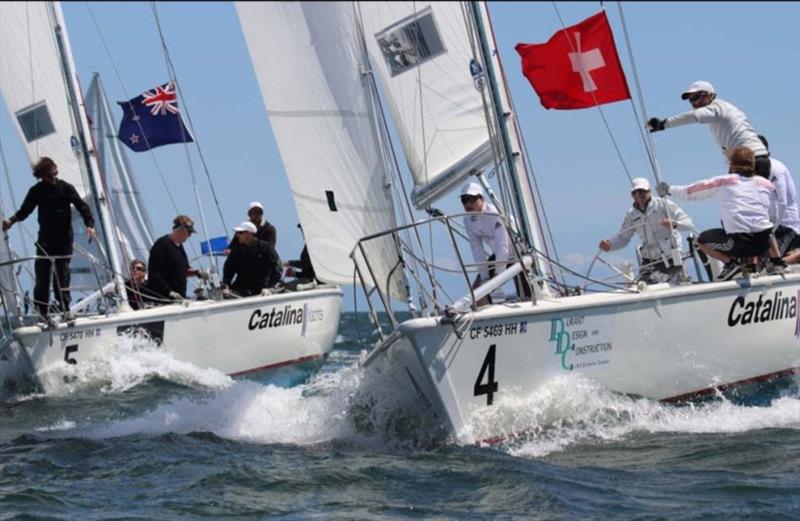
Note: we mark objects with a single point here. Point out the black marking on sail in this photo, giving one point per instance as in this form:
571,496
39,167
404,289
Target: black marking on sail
331,200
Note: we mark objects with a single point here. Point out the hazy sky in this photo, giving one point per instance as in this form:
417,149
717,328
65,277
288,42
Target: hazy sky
749,51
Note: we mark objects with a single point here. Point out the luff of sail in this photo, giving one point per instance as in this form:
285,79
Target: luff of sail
131,216
421,53
308,60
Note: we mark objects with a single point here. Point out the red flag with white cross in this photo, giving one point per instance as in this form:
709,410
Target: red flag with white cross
577,68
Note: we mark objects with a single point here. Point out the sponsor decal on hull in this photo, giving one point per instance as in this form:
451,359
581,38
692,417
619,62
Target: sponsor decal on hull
275,317
581,342
765,308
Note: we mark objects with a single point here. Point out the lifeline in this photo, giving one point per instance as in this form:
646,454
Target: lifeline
778,308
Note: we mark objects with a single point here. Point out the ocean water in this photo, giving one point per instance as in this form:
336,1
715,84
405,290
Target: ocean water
143,436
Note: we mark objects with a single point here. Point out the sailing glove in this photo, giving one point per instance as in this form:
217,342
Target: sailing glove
174,295
655,124
662,189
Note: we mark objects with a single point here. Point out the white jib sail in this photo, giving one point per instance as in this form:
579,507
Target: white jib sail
422,55
36,91
33,86
126,199
308,61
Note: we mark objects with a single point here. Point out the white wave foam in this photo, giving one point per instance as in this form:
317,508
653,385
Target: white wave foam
63,425
130,362
572,410
249,411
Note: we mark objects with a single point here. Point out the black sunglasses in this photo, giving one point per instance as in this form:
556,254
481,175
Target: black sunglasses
639,191
138,268
696,96
466,198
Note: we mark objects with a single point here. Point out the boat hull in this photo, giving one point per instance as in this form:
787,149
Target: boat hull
665,343
283,333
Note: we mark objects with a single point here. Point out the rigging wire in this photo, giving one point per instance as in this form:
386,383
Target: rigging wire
611,134
647,138
537,197
174,77
597,105
128,96
387,146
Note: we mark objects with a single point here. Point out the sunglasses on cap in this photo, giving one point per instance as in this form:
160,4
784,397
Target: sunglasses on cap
466,198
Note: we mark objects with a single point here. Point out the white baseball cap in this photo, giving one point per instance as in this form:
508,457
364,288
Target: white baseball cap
246,226
640,183
472,189
255,204
698,86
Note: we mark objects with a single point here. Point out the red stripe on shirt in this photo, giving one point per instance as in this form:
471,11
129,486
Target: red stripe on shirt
699,187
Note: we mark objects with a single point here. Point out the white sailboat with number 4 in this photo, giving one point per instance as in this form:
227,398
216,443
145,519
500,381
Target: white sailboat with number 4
461,360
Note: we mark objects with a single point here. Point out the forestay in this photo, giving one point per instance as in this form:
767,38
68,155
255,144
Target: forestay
126,200
422,55
308,61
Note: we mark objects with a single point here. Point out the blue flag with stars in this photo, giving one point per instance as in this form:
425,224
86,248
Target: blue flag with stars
152,120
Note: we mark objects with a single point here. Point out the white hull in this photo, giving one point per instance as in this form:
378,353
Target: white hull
665,343
237,337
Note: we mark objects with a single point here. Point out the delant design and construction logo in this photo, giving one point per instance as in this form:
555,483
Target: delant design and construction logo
578,343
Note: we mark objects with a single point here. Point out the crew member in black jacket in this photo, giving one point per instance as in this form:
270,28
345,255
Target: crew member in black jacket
168,266
53,197
252,263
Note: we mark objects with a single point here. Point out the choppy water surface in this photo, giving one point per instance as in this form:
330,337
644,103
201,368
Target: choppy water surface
145,436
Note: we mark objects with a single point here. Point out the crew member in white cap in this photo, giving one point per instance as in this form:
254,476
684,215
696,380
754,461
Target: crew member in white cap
727,123
251,266
481,229
656,221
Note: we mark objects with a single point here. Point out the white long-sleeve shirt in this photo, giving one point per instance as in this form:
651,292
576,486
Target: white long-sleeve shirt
656,238
748,204
788,207
491,230
727,124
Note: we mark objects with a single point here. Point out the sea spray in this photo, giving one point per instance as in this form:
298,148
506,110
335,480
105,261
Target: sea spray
131,361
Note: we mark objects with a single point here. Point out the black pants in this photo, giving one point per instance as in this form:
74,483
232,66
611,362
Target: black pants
520,281
44,275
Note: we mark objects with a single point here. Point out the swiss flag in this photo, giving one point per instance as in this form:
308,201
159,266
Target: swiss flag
577,68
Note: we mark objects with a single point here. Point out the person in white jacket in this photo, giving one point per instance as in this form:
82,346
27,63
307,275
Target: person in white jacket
788,231
656,221
488,229
728,124
749,212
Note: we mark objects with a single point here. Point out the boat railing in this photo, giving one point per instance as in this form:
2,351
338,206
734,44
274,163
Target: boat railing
628,275
432,261
98,297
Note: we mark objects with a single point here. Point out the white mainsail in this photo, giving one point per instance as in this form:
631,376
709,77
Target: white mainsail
126,200
308,60
422,54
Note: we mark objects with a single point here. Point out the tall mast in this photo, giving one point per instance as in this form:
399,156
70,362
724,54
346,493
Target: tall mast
87,159
513,151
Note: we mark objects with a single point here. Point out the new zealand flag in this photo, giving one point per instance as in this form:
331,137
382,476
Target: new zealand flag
152,120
